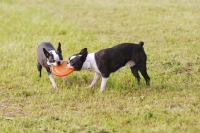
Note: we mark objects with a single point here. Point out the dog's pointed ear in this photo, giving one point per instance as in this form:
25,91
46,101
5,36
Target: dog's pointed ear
141,43
46,53
84,52
59,48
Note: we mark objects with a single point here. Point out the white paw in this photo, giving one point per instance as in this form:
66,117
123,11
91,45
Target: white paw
55,87
90,86
102,89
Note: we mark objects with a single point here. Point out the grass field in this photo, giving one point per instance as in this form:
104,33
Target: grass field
171,32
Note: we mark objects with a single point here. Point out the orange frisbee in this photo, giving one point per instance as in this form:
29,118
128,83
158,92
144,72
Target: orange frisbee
62,70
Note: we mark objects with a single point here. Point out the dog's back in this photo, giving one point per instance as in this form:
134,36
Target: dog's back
40,54
119,55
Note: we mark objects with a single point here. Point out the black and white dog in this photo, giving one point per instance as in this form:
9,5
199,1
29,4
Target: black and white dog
109,60
47,56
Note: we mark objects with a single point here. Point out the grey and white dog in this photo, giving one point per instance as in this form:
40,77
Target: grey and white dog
47,56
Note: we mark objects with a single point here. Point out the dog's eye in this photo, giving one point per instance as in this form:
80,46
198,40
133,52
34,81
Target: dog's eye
52,60
72,62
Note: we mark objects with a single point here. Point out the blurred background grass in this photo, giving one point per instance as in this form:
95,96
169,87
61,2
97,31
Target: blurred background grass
170,30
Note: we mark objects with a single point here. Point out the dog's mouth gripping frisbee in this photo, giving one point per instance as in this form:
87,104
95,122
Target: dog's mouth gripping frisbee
62,70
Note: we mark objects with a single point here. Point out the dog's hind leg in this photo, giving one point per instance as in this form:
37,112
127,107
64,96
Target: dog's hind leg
143,71
134,71
64,79
39,67
96,78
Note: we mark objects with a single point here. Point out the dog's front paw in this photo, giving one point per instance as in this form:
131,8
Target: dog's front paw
90,86
54,87
102,89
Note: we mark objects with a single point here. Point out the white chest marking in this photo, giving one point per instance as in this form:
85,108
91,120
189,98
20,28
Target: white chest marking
56,57
90,63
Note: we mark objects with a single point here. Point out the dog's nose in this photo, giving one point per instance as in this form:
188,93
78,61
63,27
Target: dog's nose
58,62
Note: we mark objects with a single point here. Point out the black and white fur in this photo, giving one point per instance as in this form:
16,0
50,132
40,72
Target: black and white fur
109,60
47,56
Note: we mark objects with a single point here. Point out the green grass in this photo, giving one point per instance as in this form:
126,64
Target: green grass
170,30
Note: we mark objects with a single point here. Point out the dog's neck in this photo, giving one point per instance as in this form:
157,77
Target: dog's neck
49,64
86,64
90,63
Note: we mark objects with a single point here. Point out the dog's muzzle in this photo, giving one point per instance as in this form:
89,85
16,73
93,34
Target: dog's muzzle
58,63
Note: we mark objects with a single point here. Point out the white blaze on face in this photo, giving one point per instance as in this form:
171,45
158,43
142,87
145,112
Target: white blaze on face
56,58
71,58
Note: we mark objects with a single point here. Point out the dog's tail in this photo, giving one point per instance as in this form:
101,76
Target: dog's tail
141,43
